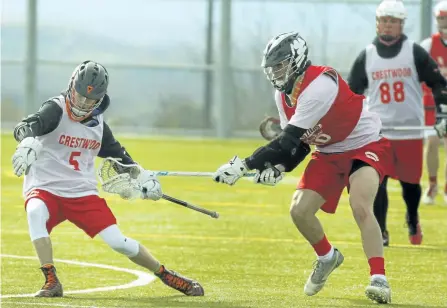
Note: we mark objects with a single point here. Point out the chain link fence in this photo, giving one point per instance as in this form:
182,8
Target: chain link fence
157,56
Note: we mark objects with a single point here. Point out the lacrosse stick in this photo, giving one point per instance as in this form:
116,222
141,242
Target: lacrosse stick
188,173
117,178
398,128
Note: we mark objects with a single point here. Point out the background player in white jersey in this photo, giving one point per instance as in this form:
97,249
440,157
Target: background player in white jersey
317,107
436,46
57,148
391,70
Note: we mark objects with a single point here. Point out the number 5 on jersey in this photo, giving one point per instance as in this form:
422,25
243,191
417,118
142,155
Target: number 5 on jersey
398,92
73,160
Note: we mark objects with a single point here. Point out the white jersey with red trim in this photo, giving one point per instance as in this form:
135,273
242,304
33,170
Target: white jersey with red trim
394,91
65,166
333,115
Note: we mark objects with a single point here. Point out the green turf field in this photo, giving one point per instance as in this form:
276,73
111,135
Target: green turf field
252,256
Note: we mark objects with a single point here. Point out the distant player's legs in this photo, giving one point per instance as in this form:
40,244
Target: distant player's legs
381,210
409,164
364,183
412,197
432,161
445,173
38,215
138,254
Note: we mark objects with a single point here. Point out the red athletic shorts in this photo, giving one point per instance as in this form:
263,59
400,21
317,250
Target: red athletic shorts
408,160
430,109
89,213
430,117
328,174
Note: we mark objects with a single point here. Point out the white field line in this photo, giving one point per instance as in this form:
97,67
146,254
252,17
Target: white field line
143,278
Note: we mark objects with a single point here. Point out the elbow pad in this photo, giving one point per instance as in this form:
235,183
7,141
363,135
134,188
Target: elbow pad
25,128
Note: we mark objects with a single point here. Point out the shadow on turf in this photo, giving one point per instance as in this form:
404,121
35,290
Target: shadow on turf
163,301
366,302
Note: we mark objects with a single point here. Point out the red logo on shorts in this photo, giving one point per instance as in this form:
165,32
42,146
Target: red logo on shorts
372,156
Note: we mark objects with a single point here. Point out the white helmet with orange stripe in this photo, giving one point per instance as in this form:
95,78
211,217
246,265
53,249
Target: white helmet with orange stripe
440,13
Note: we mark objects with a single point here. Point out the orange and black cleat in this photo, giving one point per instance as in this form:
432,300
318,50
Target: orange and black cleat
176,281
52,286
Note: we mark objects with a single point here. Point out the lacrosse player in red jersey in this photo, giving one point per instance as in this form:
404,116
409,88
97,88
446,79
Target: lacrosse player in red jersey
316,107
56,152
436,46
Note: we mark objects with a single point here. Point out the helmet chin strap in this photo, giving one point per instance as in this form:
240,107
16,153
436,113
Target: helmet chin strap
389,40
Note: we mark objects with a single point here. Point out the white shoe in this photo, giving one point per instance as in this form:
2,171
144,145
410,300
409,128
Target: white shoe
321,272
430,195
379,291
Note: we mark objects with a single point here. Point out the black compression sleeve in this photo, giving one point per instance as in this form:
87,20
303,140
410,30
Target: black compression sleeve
358,80
286,149
41,123
427,68
110,147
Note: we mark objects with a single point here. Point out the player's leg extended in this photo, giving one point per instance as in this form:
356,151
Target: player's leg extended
38,215
138,254
381,210
305,204
364,183
432,162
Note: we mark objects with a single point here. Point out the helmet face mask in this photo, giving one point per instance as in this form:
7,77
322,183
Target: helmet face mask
285,59
86,90
280,73
80,106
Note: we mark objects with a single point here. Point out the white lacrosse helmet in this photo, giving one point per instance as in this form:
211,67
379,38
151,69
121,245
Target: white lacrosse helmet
392,8
440,12
440,9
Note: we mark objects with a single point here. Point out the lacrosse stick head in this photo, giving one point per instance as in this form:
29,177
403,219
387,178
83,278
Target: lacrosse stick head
118,178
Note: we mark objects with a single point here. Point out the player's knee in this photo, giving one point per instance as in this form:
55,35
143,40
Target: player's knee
126,246
433,143
300,209
118,242
361,206
37,215
361,210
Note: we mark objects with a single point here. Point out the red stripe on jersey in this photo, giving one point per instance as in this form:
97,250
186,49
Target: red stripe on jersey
338,123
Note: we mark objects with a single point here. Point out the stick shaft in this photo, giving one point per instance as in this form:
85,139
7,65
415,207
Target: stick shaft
191,174
191,206
397,128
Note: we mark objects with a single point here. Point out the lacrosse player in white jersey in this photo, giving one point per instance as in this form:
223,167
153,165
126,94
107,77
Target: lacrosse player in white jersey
436,46
56,152
391,70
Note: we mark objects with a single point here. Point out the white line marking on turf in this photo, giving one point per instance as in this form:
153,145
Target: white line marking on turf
50,304
142,280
